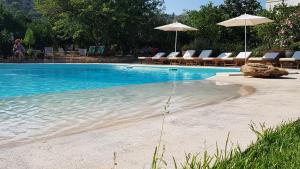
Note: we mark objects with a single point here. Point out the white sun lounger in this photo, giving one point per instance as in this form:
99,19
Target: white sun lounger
155,57
235,61
197,60
216,60
173,57
189,54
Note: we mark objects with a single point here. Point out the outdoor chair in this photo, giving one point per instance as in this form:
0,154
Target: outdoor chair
48,52
268,58
203,54
217,60
292,62
188,56
82,52
238,60
173,58
61,52
156,57
100,50
91,51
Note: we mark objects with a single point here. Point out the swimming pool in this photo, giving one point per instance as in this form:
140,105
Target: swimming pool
39,101
32,79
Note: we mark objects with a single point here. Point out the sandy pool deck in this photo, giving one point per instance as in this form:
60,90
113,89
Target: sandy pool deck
274,101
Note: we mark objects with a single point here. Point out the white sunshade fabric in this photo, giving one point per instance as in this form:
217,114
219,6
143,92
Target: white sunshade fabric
176,27
245,20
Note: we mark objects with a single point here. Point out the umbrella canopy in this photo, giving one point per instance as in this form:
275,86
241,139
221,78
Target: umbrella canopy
248,20
176,27
245,20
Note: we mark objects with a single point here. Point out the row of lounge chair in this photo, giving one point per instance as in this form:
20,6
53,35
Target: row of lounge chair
204,58
224,59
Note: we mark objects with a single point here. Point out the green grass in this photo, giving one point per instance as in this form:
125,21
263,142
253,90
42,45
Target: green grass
277,148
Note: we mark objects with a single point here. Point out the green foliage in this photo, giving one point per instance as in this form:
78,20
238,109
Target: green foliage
29,38
43,33
218,38
274,148
11,26
284,31
205,20
125,23
295,46
236,8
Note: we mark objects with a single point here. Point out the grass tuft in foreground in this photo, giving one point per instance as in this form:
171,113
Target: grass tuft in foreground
277,148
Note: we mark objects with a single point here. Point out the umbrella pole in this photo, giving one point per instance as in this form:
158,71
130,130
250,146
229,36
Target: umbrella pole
176,41
245,42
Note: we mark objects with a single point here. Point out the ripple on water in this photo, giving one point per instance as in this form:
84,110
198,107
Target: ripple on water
24,119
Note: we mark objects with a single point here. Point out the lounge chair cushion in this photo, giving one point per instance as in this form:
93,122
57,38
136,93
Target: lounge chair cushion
288,59
270,56
159,55
256,59
173,55
296,55
228,59
221,56
189,54
205,54
242,55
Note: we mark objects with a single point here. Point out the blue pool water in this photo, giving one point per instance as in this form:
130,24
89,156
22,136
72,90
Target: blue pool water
39,101
32,79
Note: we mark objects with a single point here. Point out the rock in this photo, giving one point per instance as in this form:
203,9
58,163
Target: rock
263,71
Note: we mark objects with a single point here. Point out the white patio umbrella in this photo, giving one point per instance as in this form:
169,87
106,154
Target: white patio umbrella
245,20
176,27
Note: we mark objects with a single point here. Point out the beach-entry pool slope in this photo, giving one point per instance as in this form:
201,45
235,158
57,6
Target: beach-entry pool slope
42,101
32,79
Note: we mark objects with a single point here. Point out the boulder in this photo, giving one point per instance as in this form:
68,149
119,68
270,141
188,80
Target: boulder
263,71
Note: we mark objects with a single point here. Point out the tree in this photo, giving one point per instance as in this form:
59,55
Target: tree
29,38
11,26
284,31
43,33
205,20
236,8
108,22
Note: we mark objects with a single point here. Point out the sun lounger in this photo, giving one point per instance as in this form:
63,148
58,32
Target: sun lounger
100,50
188,56
217,60
61,52
294,61
82,52
48,51
203,54
238,60
91,51
173,58
268,58
154,58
